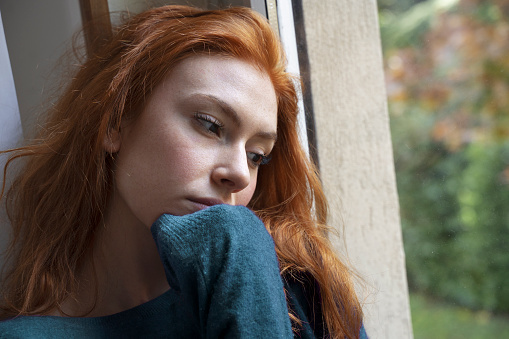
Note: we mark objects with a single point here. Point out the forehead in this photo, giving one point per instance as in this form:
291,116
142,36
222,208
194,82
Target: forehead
197,70
238,83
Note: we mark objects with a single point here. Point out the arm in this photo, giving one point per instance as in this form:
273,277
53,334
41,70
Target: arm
222,261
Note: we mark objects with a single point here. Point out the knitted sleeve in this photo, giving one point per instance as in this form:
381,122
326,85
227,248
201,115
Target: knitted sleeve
223,264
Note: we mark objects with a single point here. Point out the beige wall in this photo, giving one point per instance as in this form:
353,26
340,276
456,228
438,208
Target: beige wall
355,154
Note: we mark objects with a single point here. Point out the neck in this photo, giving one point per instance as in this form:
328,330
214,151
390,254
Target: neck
127,268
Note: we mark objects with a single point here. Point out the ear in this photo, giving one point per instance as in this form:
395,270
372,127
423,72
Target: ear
112,141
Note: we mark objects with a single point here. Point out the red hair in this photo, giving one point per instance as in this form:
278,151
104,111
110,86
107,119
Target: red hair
57,202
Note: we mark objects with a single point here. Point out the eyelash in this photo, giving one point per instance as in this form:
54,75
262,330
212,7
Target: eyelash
207,122
262,160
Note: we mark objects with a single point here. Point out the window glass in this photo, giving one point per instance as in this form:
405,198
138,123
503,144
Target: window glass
447,75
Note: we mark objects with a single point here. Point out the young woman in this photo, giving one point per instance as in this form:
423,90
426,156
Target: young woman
128,216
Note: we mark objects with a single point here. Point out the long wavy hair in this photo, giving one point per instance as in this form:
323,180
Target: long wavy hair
57,202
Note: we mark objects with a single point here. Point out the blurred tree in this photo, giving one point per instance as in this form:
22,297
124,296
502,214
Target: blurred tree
396,6
454,63
447,73
483,196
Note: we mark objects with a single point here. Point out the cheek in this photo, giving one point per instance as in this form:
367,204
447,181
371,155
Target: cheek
244,197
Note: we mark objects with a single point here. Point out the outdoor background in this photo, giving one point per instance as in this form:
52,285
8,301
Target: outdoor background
447,74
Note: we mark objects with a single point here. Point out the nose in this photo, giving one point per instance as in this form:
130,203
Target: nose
232,170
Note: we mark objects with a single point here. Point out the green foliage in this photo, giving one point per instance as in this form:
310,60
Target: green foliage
405,24
447,71
484,213
454,215
436,320
429,211
396,6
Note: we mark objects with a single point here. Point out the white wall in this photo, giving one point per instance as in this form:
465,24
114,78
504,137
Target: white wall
37,34
10,123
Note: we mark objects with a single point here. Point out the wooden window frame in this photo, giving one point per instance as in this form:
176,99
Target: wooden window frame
95,15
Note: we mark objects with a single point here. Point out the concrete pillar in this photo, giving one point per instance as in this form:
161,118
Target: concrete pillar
355,152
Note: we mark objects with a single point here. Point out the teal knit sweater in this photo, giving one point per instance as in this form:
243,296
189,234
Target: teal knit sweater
224,274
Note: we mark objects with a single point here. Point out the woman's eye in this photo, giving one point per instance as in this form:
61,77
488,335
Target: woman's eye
258,159
210,124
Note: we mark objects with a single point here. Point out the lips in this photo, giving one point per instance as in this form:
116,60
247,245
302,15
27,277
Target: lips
205,202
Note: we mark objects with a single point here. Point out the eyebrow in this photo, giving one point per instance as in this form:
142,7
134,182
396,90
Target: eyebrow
230,112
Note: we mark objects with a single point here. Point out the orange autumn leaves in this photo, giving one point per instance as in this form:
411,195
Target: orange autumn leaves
458,71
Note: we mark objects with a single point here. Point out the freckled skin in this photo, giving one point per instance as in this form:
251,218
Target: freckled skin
187,145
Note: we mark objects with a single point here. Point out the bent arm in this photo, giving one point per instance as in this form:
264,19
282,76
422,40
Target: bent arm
222,261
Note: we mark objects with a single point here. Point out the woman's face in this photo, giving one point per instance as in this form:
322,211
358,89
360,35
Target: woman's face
198,142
